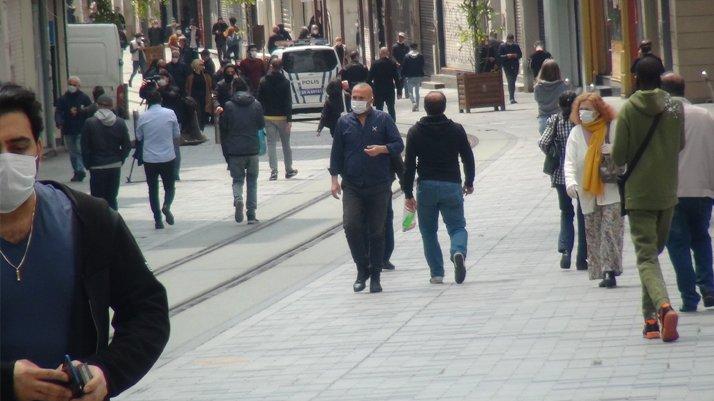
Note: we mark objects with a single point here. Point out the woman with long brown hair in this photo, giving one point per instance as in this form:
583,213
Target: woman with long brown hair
588,148
547,90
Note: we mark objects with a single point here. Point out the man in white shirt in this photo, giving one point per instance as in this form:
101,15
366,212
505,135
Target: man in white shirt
690,225
158,129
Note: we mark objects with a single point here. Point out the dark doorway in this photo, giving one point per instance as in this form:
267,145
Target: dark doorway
440,31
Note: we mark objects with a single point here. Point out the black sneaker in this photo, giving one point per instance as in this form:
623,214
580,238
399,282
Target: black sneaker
608,281
688,308
169,215
290,174
75,178
708,299
374,285
81,175
239,211
159,225
459,268
581,265
251,217
565,260
273,176
359,285
388,265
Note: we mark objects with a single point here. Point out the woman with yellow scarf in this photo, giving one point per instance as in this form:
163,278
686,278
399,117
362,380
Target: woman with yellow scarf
589,140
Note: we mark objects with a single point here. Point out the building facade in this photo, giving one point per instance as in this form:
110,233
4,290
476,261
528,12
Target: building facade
33,52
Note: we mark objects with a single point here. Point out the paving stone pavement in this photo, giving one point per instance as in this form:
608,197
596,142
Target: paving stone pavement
519,328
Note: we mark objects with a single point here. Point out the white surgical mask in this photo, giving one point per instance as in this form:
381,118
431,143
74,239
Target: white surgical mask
72,89
359,106
163,82
253,53
174,59
17,180
588,116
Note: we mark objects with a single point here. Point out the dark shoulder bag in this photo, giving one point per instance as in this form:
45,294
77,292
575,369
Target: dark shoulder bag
552,156
622,180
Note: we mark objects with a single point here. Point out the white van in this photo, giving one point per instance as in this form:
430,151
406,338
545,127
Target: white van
309,69
95,56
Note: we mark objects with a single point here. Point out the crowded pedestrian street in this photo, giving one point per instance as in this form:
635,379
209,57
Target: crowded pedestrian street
290,327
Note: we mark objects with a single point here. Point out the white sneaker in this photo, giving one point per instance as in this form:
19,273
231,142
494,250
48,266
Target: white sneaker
437,280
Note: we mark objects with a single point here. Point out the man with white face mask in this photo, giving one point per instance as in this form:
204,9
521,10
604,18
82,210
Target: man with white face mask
69,118
65,257
363,142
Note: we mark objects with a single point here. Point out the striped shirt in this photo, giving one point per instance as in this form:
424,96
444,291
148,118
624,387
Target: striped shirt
556,130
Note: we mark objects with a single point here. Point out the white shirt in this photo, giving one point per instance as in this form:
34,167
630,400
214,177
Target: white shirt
574,166
696,160
139,45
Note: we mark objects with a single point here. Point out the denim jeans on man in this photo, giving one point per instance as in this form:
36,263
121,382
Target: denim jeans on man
566,239
689,234
104,183
412,85
245,169
434,197
73,143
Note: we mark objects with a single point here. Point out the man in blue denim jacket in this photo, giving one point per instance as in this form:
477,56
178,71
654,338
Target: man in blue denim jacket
361,149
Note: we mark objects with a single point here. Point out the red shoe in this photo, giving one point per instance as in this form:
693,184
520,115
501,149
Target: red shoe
651,330
668,318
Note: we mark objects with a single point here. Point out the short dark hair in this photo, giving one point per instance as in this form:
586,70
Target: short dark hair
153,97
646,46
648,70
97,91
15,98
252,46
276,64
510,36
673,83
413,46
239,85
354,55
232,20
435,103
205,52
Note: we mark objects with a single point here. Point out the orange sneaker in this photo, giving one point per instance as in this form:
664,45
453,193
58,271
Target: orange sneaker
651,330
668,318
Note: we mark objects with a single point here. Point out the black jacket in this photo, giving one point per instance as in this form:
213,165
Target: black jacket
274,95
355,73
224,91
383,75
102,145
537,59
399,51
510,65
240,122
437,143
331,112
179,73
113,274
69,113
413,66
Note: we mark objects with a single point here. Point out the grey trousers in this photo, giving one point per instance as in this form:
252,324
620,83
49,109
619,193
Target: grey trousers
278,131
244,169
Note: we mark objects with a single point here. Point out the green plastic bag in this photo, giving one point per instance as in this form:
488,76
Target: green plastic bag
409,220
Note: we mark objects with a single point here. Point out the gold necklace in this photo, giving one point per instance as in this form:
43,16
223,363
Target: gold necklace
24,256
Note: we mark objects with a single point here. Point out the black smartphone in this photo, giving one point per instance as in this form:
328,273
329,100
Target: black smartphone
79,376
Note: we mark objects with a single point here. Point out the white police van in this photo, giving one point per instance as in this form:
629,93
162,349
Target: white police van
309,68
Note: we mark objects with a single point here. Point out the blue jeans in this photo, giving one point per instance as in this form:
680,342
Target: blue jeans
73,143
566,239
412,85
244,169
541,123
434,197
689,234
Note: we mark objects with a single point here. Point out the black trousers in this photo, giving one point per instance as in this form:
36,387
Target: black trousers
364,210
400,85
388,232
168,178
104,183
511,77
380,98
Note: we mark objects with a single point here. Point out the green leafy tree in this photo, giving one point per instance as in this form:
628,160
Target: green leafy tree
479,14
